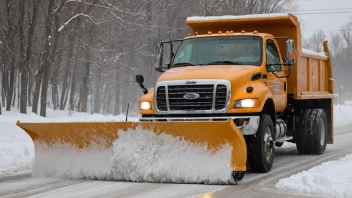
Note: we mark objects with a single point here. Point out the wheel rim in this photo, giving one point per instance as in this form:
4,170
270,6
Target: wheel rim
268,144
322,132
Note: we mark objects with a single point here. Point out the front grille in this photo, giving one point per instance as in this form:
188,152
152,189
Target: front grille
177,92
161,99
171,97
221,94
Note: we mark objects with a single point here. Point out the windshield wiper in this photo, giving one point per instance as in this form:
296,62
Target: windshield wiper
182,64
225,63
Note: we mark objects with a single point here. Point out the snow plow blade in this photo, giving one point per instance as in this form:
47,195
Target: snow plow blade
73,147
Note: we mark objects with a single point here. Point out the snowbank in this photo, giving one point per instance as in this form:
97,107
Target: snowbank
333,178
138,155
15,157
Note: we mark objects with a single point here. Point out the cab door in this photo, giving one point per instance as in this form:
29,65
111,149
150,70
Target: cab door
277,83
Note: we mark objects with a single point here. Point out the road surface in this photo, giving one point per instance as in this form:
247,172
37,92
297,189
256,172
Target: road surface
287,162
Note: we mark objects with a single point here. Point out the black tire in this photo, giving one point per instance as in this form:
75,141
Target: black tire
279,144
318,131
312,123
260,160
302,133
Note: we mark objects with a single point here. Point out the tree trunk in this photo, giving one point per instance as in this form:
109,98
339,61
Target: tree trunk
109,101
54,93
54,96
49,51
64,91
73,91
117,96
10,90
22,68
44,90
3,96
30,85
105,97
12,93
4,81
18,90
26,62
73,83
97,95
11,66
66,79
85,86
38,82
24,93
14,90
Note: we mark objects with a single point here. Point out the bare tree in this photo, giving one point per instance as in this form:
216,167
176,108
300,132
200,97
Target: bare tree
315,42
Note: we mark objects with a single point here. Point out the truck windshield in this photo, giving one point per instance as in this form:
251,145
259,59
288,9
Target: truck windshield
225,50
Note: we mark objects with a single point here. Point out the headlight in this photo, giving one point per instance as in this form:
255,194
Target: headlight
145,106
247,103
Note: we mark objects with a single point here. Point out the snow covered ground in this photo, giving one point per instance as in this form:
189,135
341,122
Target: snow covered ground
343,114
332,178
16,147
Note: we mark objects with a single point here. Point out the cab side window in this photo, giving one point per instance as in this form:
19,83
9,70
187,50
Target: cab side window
272,57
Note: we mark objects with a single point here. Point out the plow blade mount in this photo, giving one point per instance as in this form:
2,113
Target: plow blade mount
191,152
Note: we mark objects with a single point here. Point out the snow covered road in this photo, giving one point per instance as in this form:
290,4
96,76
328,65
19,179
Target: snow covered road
34,187
287,162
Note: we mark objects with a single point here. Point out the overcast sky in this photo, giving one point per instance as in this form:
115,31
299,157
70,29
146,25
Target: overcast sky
328,21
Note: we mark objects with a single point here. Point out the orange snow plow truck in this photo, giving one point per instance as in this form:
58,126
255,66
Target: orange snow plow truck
242,81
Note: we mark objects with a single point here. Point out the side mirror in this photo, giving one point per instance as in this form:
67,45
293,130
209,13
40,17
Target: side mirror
290,51
139,79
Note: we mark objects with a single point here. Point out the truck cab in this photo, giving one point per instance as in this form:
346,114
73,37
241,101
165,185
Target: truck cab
221,75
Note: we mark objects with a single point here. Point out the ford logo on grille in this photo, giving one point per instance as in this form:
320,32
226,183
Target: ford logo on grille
191,96
191,82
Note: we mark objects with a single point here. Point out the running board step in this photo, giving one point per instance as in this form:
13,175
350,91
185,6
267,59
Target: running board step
284,139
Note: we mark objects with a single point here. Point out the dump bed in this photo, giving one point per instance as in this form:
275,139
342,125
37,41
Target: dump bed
311,76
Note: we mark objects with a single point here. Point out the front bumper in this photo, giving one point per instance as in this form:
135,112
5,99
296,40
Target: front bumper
248,125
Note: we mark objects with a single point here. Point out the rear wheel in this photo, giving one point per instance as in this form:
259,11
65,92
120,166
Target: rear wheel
312,132
318,132
302,132
262,147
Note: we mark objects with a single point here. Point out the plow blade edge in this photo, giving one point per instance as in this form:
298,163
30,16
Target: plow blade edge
83,136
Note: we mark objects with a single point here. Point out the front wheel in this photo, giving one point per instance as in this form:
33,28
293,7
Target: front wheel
262,147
